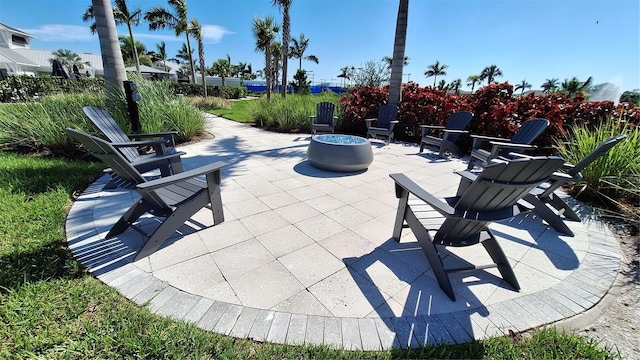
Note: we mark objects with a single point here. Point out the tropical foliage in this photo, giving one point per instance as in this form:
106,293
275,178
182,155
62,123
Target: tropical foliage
436,70
497,111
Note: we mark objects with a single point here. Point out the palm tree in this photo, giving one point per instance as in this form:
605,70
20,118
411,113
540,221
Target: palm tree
222,68
196,30
286,36
522,87
162,52
264,30
435,70
161,18
297,49
184,54
68,59
121,15
127,48
490,73
276,57
549,85
344,74
472,80
114,74
389,60
574,86
442,85
455,85
397,63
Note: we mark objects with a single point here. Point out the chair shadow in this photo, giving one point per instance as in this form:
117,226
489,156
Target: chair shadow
428,316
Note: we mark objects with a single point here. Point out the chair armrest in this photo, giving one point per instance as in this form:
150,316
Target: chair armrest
156,159
499,146
158,145
479,139
437,127
158,134
488,138
454,131
370,120
180,177
404,182
138,143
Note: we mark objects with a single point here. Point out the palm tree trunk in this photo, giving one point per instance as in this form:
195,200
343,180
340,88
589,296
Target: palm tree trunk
193,70
395,84
114,73
267,70
135,50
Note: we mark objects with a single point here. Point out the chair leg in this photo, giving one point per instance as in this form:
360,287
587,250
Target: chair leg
500,259
561,205
400,214
430,251
176,166
129,217
554,220
183,213
472,162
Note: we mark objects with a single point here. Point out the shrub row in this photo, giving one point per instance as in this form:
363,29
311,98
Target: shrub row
38,126
26,87
496,111
225,92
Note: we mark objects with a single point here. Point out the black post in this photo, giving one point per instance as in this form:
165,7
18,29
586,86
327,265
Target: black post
132,95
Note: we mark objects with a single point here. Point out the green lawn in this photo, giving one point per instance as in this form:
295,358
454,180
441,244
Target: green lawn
50,307
240,111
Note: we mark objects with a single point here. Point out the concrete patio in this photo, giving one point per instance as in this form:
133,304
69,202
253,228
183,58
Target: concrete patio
306,255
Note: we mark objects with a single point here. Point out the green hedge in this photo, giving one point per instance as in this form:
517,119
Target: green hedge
27,87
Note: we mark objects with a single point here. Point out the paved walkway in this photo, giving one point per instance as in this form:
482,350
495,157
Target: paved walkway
306,256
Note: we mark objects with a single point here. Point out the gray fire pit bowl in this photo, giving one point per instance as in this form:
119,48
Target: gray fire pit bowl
341,153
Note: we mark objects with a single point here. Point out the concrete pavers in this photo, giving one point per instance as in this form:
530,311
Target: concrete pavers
305,255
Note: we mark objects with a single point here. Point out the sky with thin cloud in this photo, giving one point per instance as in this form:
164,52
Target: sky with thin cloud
531,40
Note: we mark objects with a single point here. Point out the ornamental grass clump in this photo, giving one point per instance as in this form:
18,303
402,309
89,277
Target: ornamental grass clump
291,113
614,176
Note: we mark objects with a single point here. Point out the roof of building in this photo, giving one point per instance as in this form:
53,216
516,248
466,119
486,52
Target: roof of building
10,56
14,30
41,57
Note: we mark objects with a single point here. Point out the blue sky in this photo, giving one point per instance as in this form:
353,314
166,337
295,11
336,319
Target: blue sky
530,40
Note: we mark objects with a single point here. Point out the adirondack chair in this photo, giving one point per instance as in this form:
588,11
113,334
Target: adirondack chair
176,198
165,156
481,199
384,123
521,140
448,134
323,120
545,203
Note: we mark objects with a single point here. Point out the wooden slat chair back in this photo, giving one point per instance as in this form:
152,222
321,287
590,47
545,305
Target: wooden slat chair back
110,128
521,140
449,134
164,157
165,143
323,120
176,197
481,199
547,205
384,123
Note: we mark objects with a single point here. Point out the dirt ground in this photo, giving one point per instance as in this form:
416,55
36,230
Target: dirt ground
617,325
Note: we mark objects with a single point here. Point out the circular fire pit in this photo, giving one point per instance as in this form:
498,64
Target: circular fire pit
341,153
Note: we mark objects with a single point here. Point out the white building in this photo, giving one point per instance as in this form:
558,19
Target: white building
17,57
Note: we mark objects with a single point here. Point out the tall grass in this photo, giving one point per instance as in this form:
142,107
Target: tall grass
614,176
291,113
39,125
